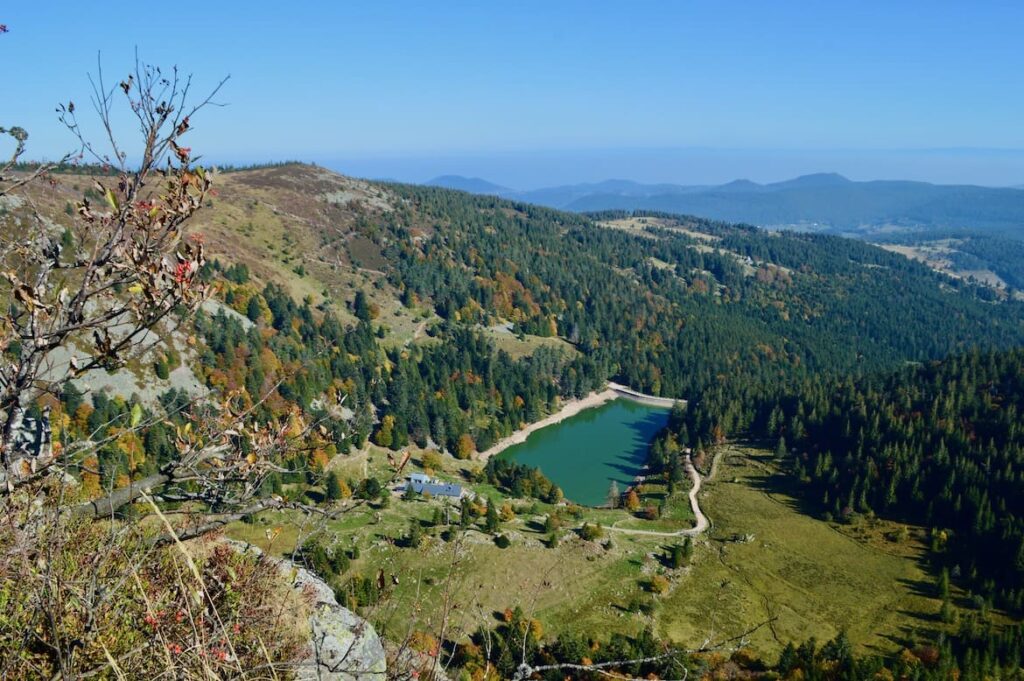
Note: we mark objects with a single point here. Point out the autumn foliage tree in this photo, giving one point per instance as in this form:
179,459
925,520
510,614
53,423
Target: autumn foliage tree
466,446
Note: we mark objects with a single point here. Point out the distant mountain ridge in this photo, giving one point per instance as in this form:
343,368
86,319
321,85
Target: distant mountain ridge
820,201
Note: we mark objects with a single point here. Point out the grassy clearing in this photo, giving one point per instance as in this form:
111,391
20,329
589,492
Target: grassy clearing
525,346
764,558
584,585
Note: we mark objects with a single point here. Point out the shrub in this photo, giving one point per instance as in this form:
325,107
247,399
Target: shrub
146,595
591,532
658,585
333,489
502,542
415,536
432,461
641,603
325,562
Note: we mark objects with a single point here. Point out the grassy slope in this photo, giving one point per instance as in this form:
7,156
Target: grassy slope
810,575
813,577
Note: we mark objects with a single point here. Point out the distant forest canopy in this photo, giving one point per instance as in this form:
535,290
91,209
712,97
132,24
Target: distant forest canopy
110,170
969,250
69,168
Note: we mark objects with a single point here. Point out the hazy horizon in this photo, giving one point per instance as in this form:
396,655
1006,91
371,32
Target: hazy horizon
528,170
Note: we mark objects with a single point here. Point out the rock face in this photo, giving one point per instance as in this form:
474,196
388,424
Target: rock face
342,646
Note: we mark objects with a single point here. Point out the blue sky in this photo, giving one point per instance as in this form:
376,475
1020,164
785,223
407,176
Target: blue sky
535,93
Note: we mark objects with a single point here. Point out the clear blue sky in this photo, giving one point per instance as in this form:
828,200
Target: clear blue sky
531,93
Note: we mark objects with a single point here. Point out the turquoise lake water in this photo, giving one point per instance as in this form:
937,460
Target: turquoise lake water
584,453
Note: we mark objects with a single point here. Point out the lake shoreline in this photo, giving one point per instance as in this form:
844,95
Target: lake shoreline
569,409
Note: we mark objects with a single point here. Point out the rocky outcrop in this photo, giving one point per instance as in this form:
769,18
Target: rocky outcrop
342,646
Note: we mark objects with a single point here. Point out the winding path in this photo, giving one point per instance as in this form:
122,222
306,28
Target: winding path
702,524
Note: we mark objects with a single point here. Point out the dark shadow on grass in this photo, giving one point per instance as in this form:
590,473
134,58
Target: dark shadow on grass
918,587
786,490
535,526
920,616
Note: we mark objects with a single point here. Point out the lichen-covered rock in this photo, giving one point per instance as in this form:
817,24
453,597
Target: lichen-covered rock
342,646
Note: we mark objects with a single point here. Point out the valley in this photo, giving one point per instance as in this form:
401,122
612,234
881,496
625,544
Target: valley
753,413
430,332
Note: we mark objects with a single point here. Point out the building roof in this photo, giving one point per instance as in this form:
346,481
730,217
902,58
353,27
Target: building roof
419,477
437,488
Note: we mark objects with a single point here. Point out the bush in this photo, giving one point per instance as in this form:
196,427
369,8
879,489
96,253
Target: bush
502,542
415,536
325,562
369,489
642,604
591,532
658,585
649,513
432,461
333,489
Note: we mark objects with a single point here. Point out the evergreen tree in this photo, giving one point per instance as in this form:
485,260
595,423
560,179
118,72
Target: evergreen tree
780,449
415,536
361,307
253,311
491,520
332,487
676,557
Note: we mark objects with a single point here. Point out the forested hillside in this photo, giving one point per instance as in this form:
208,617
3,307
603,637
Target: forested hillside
679,307
997,260
671,311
